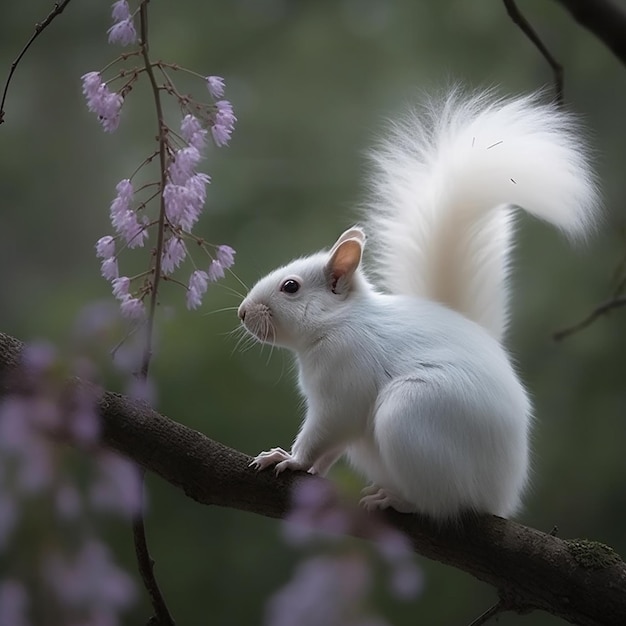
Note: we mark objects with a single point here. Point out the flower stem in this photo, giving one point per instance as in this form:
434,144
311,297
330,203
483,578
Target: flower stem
144,560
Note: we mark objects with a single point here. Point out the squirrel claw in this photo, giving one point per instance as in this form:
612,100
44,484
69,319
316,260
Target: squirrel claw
289,463
266,459
378,498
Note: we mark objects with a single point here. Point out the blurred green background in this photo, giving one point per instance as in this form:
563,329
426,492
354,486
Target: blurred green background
311,82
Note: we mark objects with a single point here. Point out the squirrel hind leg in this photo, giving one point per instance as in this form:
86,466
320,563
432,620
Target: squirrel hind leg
445,448
375,497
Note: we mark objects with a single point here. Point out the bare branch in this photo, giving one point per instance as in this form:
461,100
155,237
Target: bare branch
529,31
581,581
39,28
602,309
605,19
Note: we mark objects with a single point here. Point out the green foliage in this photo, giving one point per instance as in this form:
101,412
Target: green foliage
311,83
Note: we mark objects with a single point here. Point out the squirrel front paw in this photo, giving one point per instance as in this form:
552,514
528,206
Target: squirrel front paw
278,457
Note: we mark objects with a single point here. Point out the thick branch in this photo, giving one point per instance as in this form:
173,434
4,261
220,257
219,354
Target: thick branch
580,581
605,19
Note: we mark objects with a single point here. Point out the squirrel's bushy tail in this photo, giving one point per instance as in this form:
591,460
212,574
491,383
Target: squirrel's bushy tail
444,186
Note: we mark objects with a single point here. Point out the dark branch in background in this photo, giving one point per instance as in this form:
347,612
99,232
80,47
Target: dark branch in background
39,28
605,19
581,581
529,31
602,309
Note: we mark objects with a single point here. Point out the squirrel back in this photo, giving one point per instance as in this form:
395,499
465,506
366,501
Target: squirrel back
445,183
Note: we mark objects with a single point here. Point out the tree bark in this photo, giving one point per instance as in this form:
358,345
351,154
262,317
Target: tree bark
581,581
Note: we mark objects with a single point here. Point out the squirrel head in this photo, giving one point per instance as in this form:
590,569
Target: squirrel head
295,305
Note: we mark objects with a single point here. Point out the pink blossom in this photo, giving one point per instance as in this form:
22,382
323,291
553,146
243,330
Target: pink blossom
9,516
183,164
226,256
123,32
183,203
125,189
13,603
68,502
192,132
105,247
132,230
132,308
216,271
105,103
35,471
174,253
91,84
90,579
221,134
84,422
118,486
215,85
108,268
121,286
124,219
198,283
120,11
224,122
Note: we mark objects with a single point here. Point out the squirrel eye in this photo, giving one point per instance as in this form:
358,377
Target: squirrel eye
290,286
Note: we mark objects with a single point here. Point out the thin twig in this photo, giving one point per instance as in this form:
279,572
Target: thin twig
144,560
498,607
602,309
529,31
39,28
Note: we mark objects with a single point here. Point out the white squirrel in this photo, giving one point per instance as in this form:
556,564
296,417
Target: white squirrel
411,381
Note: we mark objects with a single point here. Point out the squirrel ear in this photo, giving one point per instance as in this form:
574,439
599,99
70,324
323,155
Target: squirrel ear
345,257
352,233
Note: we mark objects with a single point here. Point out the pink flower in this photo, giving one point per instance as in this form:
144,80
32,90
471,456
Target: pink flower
192,132
183,203
226,256
108,269
120,11
221,135
183,164
13,603
105,247
174,253
118,486
91,84
216,271
90,579
68,502
105,103
121,286
215,85
123,32
132,308
224,123
125,189
198,283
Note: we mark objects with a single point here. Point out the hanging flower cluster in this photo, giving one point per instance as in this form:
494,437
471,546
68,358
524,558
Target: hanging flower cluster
72,574
181,189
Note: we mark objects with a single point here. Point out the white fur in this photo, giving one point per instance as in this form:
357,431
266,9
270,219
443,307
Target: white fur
413,385
440,179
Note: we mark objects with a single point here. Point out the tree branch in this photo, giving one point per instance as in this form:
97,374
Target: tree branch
524,25
605,19
602,309
581,581
57,9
